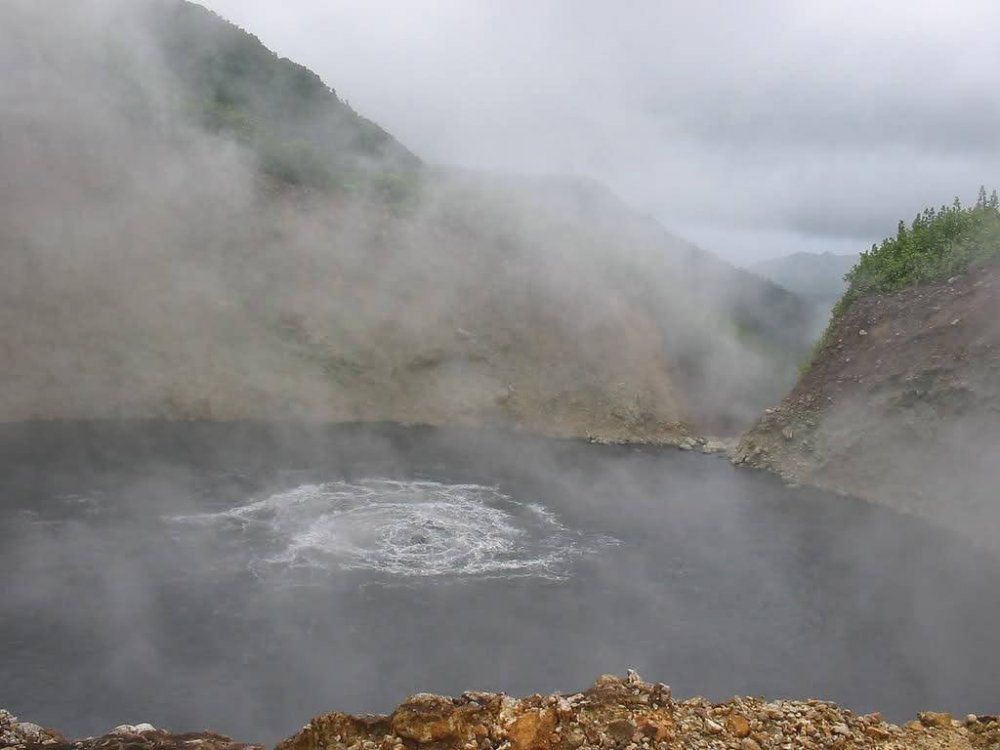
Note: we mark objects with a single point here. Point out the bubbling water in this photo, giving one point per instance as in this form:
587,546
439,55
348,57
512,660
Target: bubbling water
402,529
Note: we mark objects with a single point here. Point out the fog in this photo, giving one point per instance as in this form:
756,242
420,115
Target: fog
141,598
154,271
181,328
755,131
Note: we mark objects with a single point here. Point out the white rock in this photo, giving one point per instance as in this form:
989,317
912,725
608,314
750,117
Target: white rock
29,730
129,730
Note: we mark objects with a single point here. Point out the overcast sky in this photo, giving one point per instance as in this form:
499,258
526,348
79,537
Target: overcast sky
754,129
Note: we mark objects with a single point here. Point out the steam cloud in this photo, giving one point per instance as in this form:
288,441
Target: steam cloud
151,271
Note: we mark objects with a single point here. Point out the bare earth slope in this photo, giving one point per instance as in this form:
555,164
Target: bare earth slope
901,406
614,713
192,228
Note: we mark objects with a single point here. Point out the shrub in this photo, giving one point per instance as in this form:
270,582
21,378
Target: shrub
937,244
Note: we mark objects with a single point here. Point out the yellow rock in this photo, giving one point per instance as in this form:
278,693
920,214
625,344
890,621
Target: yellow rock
532,730
738,725
935,719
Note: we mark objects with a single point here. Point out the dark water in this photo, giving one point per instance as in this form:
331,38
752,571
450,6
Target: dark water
243,578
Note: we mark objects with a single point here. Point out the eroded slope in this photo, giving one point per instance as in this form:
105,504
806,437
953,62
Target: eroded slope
192,228
901,405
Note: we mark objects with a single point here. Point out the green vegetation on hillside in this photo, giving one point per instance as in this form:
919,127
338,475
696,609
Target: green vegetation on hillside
298,128
937,244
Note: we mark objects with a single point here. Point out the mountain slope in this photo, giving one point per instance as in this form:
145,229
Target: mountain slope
161,261
300,131
901,405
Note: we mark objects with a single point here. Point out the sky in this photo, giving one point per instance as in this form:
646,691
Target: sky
753,129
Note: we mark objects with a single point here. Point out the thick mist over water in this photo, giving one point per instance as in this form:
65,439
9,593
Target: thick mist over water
170,561
244,578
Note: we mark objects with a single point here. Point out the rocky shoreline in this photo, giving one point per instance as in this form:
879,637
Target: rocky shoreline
614,713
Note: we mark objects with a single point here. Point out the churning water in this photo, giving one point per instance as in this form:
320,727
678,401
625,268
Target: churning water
397,528
243,578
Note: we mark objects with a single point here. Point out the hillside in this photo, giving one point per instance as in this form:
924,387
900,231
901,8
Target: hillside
194,228
299,131
901,404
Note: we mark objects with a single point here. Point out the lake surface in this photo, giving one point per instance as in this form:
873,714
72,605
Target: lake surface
245,577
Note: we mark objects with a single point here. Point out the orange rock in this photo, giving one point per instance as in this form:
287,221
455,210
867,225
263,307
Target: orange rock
532,730
738,725
420,724
935,719
431,718
658,725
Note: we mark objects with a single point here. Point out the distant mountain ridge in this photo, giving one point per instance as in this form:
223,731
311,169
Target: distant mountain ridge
815,276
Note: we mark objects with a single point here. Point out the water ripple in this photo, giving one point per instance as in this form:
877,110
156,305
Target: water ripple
403,528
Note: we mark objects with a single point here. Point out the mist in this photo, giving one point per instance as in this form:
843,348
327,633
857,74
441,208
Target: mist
671,566
192,284
755,132
301,414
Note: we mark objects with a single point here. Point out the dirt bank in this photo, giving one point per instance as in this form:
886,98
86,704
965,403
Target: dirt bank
901,406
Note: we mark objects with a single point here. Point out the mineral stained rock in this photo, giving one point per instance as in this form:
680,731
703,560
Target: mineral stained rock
615,713
17,734
630,714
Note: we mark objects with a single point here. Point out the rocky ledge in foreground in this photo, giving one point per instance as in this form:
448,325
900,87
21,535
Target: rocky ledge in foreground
614,713
23,734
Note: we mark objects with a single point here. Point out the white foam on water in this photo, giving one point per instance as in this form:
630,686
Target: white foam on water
403,529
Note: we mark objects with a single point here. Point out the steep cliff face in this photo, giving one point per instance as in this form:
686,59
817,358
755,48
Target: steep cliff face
195,228
901,405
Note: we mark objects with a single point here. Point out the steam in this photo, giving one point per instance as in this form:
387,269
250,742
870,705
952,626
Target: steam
722,581
755,131
409,528
151,271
